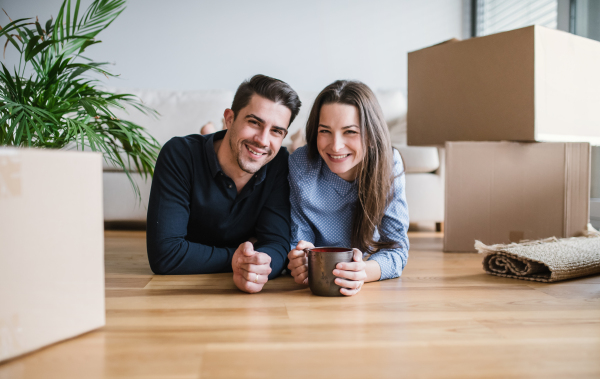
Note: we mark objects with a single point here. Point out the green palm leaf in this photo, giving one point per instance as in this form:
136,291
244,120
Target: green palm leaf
59,106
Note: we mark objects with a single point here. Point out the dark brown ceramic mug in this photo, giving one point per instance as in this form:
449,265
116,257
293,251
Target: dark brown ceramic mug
321,263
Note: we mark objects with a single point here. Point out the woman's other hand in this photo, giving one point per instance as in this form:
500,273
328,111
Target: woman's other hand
351,275
298,265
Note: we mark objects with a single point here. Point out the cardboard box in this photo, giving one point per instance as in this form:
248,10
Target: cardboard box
529,84
51,247
502,192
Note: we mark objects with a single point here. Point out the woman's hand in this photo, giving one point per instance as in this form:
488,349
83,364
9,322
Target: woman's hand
298,265
351,275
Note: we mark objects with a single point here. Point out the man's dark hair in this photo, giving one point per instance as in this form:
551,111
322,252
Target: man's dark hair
272,89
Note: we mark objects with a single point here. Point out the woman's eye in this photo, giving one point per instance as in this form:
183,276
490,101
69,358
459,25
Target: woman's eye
323,131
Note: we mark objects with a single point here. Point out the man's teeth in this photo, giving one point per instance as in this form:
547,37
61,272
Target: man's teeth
339,156
255,152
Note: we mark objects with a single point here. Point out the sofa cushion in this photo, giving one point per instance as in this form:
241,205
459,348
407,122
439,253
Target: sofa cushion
418,159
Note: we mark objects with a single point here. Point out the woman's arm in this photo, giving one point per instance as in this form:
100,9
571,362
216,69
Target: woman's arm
303,235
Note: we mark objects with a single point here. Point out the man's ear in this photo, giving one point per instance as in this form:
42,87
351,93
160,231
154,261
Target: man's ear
228,117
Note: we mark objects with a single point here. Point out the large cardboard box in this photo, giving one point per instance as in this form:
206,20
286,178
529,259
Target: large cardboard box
51,247
529,84
502,192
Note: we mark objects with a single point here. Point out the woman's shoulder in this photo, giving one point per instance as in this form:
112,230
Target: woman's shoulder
398,163
301,164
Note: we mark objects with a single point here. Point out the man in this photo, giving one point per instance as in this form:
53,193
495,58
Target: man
220,202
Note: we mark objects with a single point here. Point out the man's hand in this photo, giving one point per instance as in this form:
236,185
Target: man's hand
298,265
250,268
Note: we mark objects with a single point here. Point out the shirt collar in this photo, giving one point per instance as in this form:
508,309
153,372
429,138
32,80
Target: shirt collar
211,154
334,178
213,161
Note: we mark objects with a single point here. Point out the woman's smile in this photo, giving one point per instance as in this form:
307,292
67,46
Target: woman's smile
338,157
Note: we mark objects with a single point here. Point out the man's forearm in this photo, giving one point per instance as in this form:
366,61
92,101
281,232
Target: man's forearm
177,256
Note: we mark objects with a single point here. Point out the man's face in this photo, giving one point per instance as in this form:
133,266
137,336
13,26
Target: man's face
257,132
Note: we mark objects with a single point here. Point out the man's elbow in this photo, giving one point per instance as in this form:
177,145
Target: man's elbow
159,268
159,262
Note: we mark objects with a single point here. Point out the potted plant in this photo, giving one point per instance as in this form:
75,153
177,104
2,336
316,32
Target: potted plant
61,103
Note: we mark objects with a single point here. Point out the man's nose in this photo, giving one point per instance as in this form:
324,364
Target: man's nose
262,137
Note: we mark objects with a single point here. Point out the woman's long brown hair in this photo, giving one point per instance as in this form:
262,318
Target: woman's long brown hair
375,172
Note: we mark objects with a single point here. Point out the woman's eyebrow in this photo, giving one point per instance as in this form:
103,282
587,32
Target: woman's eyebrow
344,127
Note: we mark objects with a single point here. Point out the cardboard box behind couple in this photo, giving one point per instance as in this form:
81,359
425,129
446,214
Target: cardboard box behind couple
530,84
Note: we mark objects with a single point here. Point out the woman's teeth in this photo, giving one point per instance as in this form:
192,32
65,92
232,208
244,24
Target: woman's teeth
339,156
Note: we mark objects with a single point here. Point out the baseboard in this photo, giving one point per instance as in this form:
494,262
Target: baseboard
124,225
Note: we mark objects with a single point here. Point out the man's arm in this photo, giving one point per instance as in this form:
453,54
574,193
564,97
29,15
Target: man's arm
168,213
273,224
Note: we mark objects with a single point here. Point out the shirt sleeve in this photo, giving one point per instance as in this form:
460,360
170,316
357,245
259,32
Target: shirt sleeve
273,224
301,229
169,252
394,226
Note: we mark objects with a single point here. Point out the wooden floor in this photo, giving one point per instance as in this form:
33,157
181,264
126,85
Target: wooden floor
444,319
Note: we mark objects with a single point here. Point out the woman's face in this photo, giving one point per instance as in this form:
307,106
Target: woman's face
338,139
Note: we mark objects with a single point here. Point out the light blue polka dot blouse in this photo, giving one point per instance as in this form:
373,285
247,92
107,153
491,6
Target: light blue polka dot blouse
323,205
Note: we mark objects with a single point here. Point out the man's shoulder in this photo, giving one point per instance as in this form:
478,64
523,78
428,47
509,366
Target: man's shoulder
192,141
184,147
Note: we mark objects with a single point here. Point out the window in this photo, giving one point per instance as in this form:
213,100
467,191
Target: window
494,16
585,18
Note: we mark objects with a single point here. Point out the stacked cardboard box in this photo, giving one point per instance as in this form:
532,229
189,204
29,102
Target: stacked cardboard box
526,86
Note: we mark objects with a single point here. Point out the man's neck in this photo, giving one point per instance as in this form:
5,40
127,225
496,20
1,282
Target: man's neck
229,165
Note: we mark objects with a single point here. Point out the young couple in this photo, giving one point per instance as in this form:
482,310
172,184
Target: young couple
230,201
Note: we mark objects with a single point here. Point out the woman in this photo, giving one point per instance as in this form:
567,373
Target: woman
347,189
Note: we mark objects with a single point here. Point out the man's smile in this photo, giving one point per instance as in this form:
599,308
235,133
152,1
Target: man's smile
254,151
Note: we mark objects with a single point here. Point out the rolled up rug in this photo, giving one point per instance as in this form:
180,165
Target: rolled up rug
547,260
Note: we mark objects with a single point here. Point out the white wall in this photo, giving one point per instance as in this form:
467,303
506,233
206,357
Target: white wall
192,44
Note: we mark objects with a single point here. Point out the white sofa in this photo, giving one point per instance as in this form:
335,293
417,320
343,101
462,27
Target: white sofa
184,113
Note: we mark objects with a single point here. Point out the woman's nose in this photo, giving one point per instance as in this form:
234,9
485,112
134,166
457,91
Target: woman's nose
338,143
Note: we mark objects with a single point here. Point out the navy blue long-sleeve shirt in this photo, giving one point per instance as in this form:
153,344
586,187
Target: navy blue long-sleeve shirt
196,219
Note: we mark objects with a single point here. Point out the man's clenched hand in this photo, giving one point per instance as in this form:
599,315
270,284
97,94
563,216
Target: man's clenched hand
250,268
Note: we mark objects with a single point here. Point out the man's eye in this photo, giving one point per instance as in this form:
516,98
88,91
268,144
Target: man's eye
278,131
253,122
